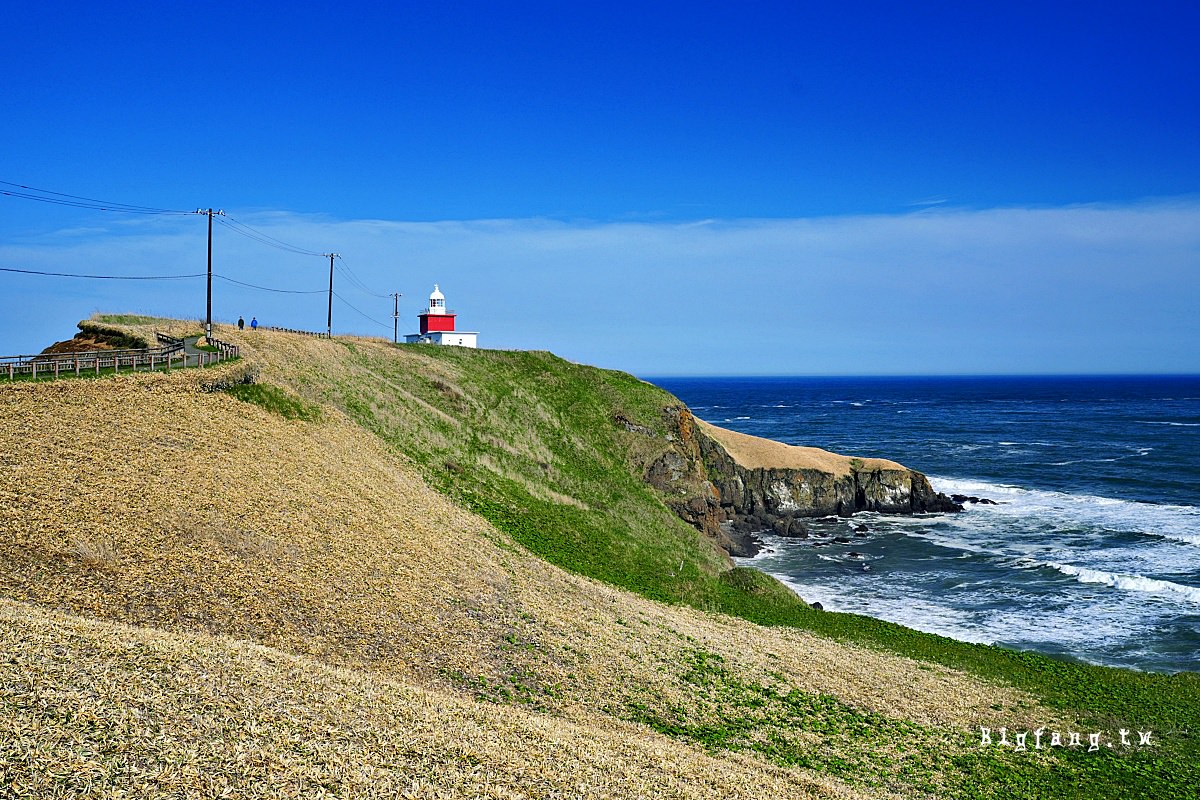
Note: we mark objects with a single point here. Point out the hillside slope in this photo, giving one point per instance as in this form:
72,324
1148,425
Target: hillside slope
375,515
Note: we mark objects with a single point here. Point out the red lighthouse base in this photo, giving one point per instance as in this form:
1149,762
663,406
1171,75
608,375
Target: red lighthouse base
436,322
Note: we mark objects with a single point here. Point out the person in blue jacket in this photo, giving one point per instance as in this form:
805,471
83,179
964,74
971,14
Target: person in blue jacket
254,323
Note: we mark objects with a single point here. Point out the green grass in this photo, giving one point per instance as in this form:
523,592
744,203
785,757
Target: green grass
130,319
530,442
101,328
727,712
275,400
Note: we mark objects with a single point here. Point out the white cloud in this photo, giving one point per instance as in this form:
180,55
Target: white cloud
1075,289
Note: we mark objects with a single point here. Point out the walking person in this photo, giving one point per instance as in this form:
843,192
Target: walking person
241,324
254,323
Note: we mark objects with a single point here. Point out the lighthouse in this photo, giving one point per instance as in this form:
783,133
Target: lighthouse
437,325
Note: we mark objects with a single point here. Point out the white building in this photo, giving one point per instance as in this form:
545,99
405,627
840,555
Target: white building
437,325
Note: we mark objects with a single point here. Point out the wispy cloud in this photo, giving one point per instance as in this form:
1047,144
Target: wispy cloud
926,202
1074,289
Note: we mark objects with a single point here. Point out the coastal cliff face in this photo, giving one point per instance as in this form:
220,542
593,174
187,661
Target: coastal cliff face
731,485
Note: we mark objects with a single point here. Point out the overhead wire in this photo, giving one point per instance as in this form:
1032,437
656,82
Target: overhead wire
76,201
360,313
356,282
269,288
103,277
263,238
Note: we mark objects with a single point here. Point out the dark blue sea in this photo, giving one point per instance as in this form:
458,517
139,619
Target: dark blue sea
1092,551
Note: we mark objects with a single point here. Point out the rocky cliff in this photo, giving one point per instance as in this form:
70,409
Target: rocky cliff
731,485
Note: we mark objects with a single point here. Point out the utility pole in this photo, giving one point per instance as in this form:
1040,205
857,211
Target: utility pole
208,312
396,317
329,319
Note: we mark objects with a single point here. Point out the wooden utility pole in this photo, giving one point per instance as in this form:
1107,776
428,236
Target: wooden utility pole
329,319
208,311
396,317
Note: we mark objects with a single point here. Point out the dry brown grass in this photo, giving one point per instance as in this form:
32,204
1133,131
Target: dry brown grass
381,600
91,709
753,452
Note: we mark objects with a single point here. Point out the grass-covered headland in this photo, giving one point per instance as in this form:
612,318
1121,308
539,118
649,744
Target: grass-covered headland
466,537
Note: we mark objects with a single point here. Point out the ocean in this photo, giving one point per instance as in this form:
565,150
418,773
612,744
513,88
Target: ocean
1092,551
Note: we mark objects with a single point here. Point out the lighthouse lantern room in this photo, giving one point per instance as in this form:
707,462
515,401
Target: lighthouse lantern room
437,325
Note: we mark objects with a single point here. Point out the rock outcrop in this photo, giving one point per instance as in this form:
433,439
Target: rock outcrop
731,485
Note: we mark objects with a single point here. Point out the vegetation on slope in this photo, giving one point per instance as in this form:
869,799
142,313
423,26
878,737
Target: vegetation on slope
306,535
153,500
92,709
482,403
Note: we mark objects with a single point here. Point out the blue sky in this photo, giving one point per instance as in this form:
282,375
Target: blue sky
670,188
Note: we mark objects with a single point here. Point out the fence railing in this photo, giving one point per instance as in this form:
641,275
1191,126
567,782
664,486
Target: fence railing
293,330
225,350
170,353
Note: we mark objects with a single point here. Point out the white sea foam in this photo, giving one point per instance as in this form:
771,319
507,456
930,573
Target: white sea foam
1076,511
1031,444
914,612
1129,583
1174,424
1028,628
981,603
961,543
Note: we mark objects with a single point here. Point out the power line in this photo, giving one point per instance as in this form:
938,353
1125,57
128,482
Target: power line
269,288
357,283
103,277
360,313
75,201
262,238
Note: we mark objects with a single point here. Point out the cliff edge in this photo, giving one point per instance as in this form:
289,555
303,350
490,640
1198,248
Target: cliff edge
731,485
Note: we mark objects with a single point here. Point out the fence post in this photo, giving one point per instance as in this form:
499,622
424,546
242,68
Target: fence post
34,362
56,363
76,365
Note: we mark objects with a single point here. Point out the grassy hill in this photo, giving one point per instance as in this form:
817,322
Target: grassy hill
354,568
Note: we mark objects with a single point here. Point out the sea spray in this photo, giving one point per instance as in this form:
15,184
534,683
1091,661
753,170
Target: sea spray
1093,547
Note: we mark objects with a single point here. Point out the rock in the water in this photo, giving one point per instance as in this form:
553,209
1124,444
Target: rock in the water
972,499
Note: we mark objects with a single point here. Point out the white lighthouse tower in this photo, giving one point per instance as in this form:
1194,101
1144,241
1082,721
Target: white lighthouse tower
437,325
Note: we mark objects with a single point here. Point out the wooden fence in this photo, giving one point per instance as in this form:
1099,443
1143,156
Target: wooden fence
170,352
293,330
